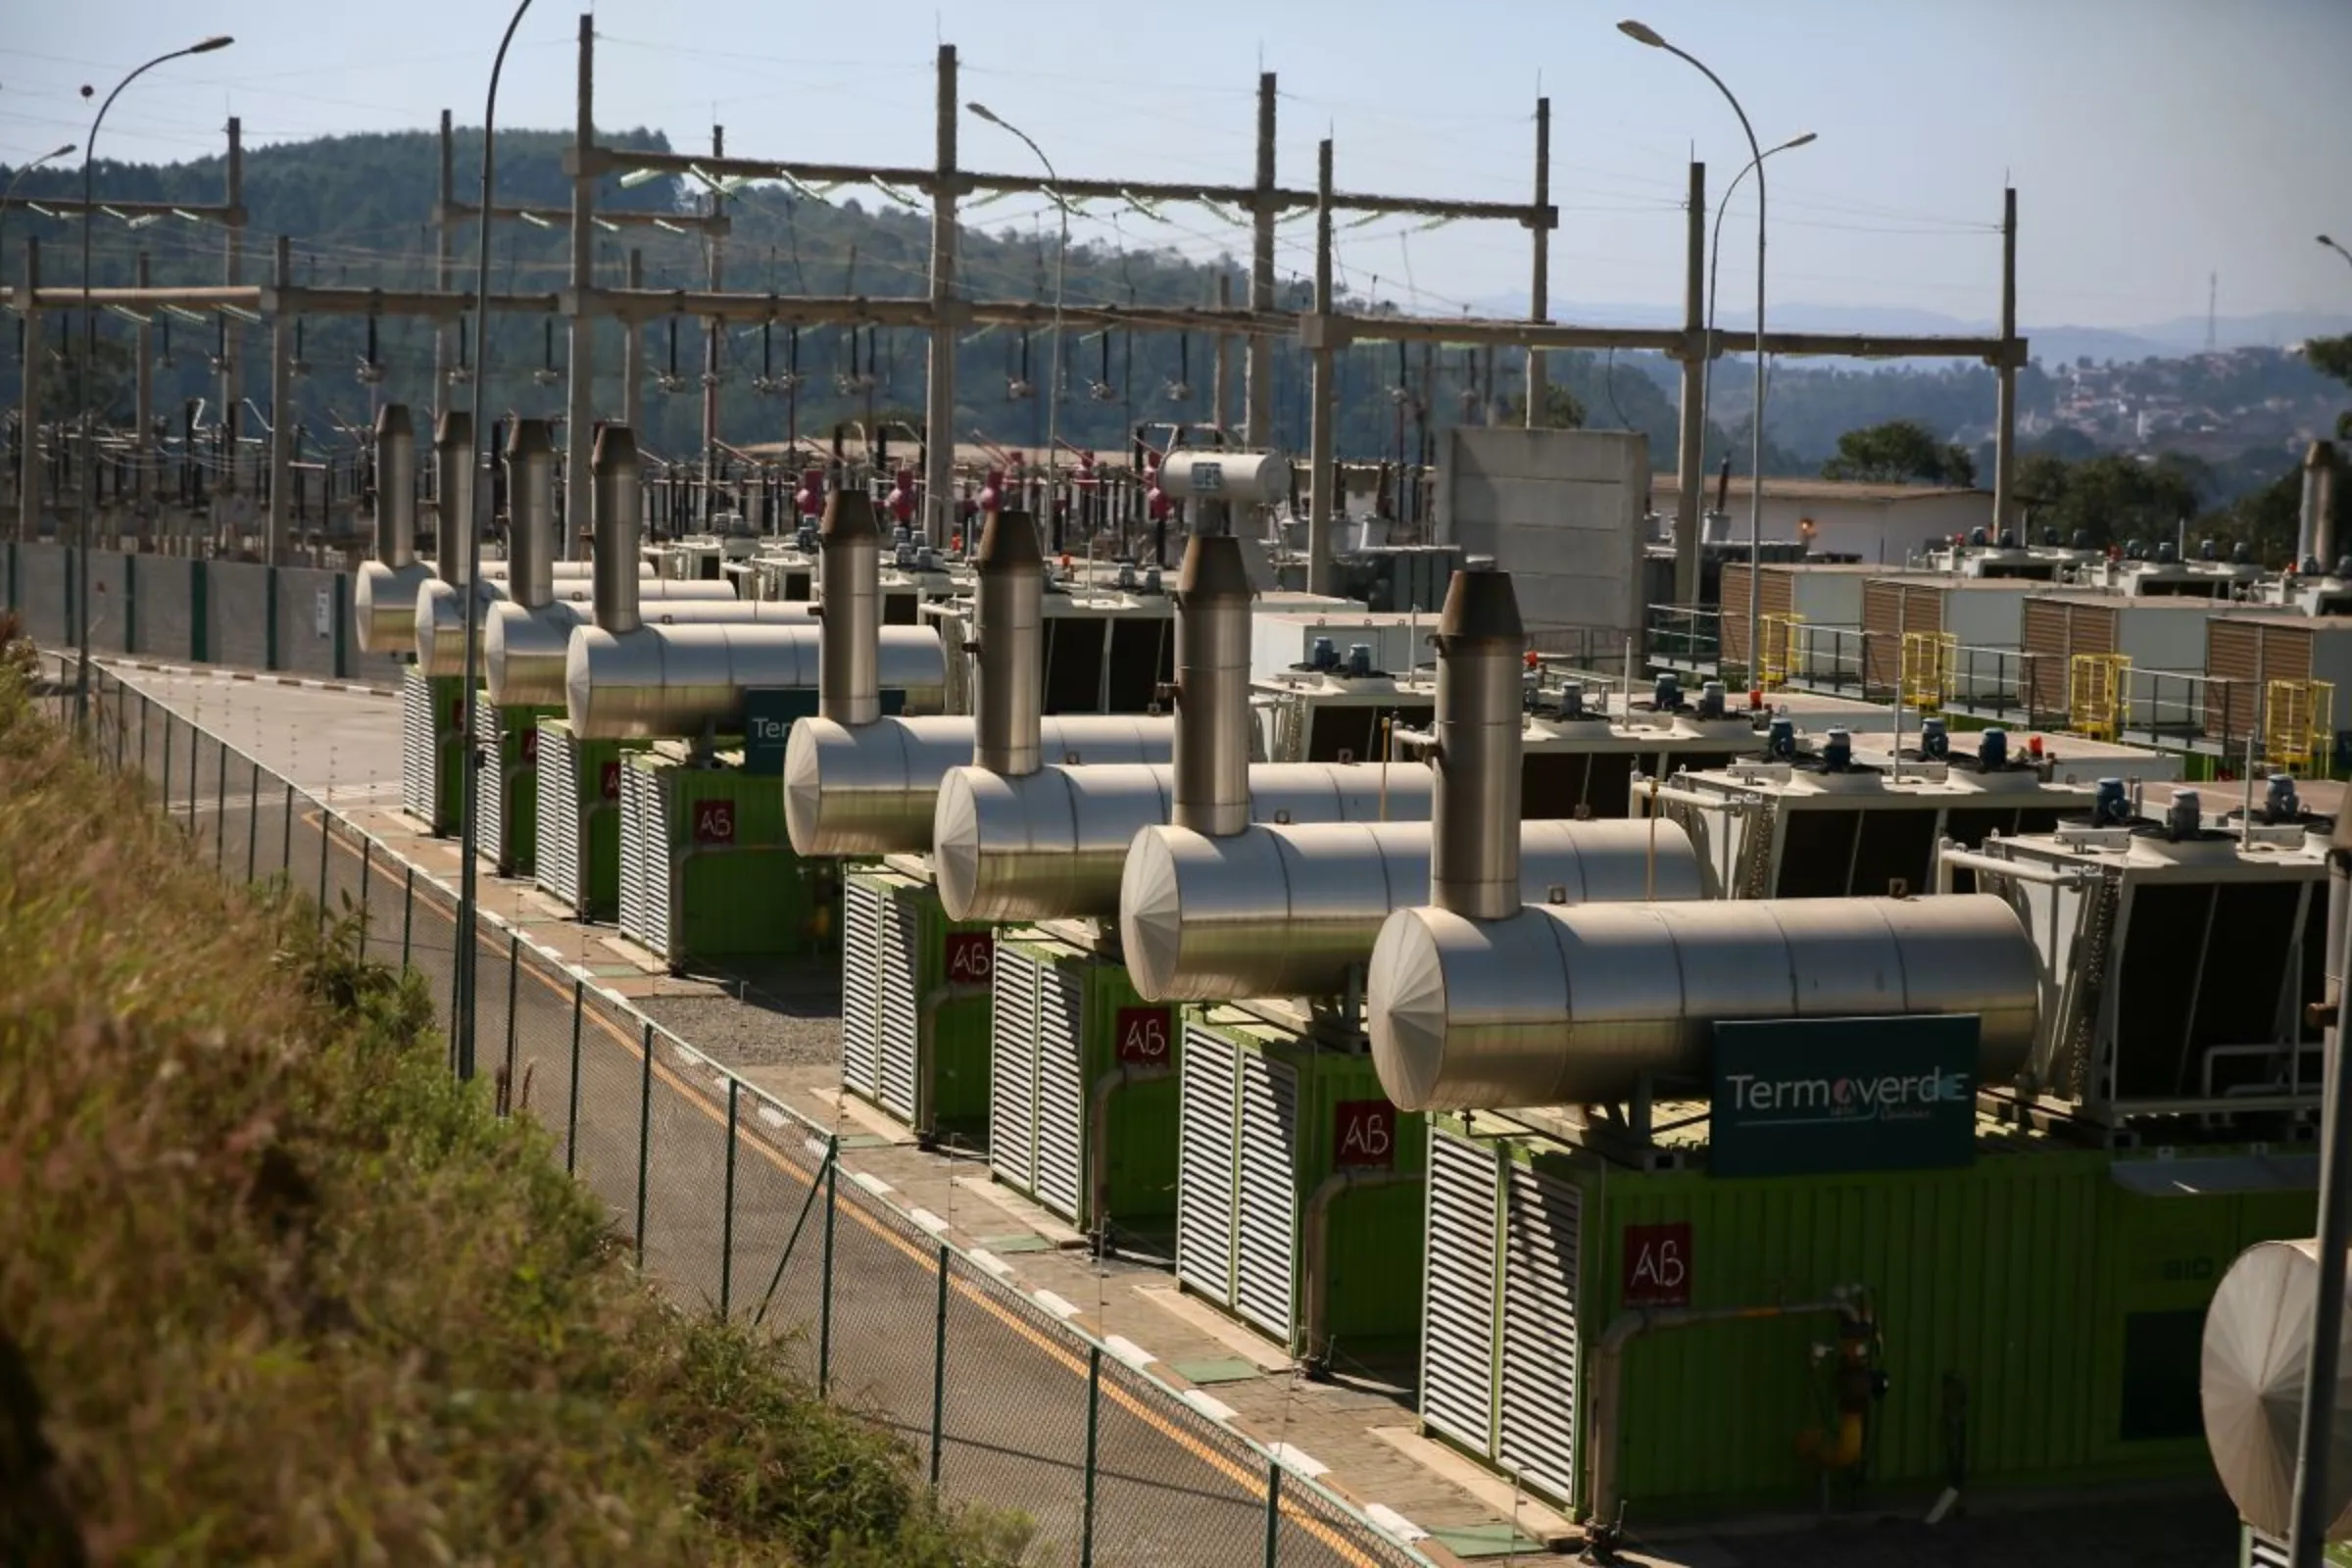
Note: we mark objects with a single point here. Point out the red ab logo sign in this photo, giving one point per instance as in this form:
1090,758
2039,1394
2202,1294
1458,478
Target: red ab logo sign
1364,1133
1657,1264
530,746
971,957
608,785
1144,1036
715,821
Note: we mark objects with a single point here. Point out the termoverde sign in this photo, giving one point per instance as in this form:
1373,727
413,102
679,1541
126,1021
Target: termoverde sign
1816,1096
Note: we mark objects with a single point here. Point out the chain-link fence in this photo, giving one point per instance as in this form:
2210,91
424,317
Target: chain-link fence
738,1205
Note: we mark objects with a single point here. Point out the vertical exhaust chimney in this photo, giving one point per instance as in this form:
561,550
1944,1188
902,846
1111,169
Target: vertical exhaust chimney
849,569
1474,811
395,486
1212,687
1010,640
2316,536
530,515
616,517
452,488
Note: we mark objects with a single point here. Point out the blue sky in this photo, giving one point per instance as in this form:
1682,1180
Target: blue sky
2153,142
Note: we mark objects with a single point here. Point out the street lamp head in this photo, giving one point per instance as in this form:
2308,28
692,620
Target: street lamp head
66,151
218,41
1802,139
2324,240
984,112
1641,33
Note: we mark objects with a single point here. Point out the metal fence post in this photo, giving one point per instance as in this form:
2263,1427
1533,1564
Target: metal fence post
324,848
939,1367
645,1129
220,811
252,824
513,977
165,778
195,747
286,847
367,865
146,722
824,1297
727,1219
1273,1511
408,917
1094,1424
572,1113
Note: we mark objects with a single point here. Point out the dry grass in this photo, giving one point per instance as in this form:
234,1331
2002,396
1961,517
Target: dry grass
274,1289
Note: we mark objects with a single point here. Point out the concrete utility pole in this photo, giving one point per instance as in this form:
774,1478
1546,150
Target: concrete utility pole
2004,437
232,330
579,390
1221,380
1257,356
939,396
143,438
632,358
28,399
445,263
1697,349
281,422
1539,287
713,250
1322,470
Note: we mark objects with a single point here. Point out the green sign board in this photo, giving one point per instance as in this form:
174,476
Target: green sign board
1805,1096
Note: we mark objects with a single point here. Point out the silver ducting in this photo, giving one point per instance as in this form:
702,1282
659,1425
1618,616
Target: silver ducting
1473,854
873,789
683,681
618,520
1574,1006
2315,533
383,592
2254,1380
1212,687
530,515
523,649
849,570
453,494
1053,845
1287,911
437,623
1009,631
1222,475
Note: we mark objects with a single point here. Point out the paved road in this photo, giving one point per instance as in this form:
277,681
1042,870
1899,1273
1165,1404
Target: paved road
1172,1488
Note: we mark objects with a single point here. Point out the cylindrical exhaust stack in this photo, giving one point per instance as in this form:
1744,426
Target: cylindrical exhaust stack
850,592
1474,852
2315,534
2254,1380
1009,702
395,486
1212,688
618,519
453,489
530,515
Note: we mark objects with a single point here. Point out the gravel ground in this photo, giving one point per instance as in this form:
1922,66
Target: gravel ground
788,1016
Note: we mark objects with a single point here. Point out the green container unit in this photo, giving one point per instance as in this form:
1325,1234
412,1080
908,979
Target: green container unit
915,989
432,751
2257,1550
1070,1035
1270,1125
579,837
706,869
2039,1308
505,787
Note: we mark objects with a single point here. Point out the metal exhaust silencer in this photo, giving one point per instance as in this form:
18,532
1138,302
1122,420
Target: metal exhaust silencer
849,599
1212,688
1007,706
1474,850
530,515
618,520
453,494
395,486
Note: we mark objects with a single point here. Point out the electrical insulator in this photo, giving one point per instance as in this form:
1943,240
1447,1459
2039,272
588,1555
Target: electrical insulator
900,500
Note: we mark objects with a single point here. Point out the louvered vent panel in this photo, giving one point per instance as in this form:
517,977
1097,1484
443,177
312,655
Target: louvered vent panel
862,905
558,869
645,855
901,939
1268,1203
489,788
1060,1095
1205,1167
417,746
1012,1070
1543,1223
1457,1344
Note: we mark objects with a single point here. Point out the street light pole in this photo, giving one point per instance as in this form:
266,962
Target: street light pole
8,198
2339,249
1061,260
1643,34
1706,373
89,345
468,820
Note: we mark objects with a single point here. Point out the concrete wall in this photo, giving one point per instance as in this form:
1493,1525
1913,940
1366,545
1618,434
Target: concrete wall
237,627
1562,511
166,627
40,591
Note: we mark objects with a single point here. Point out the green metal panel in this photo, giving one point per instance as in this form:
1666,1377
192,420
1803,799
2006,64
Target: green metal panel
270,620
342,626
200,613
957,1012
591,791
517,768
1376,1233
740,892
2005,1293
